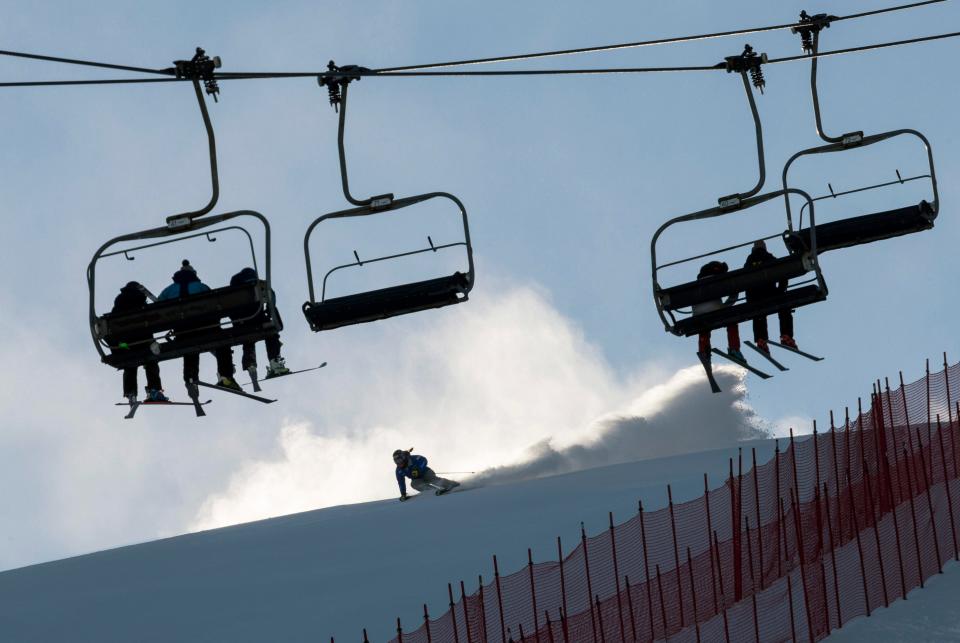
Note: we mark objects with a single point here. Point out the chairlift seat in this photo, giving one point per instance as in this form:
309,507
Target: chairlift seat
795,298
733,282
194,322
387,302
867,228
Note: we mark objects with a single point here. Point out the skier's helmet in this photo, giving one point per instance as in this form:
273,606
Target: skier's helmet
400,457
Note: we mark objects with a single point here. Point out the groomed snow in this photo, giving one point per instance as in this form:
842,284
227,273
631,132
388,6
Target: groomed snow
331,572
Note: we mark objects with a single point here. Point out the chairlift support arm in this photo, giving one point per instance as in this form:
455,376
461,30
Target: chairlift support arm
748,62
337,84
201,68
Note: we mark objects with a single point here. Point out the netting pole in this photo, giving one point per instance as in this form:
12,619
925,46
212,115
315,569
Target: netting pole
795,502
876,534
426,623
833,557
693,589
399,631
723,600
735,531
896,532
753,587
780,525
616,575
823,571
856,530
496,578
453,614
793,625
783,521
946,485
933,519
913,514
563,592
365,639
946,380
713,575
663,605
676,555
546,614
646,571
846,431
483,610
633,615
836,477
466,615
533,596
603,636
756,499
877,433
586,566
929,434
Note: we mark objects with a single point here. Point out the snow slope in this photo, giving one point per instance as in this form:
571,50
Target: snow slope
309,576
929,615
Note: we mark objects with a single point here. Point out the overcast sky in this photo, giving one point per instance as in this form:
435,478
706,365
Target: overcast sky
565,180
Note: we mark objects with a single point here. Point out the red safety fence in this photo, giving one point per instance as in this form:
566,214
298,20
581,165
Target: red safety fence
833,526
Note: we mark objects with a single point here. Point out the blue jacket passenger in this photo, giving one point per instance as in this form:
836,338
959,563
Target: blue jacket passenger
185,282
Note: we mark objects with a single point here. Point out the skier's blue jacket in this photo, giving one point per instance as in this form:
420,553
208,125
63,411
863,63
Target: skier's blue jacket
185,282
416,465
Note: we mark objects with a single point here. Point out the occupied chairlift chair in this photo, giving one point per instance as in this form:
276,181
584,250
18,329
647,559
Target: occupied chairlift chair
865,228
675,303
334,312
201,322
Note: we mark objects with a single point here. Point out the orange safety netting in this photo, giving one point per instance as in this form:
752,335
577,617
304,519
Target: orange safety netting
832,527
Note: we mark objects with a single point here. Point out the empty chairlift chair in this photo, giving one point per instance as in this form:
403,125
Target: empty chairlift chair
325,313
201,322
863,228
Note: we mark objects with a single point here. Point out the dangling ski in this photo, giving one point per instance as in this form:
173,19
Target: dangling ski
136,405
796,350
705,360
256,385
767,356
444,490
264,400
194,394
739,362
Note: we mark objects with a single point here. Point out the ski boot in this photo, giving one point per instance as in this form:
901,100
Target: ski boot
156,395
276,368
226,381
763,346
788,341
131,398
736,354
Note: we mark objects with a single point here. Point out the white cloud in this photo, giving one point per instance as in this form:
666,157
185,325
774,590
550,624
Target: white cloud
474,390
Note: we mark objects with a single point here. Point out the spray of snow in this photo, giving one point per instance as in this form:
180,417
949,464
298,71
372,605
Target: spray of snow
510,382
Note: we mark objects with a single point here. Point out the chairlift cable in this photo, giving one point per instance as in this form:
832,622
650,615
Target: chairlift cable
87,63
515,72
644,43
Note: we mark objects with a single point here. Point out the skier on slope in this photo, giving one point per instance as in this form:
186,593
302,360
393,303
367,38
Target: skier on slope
760,256
733,332
186,283
421,476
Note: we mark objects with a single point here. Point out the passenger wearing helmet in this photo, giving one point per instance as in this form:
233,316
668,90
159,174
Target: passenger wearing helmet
186,283
258,318
421,476
733,332
759,256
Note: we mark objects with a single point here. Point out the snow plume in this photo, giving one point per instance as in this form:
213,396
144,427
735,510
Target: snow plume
470,387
